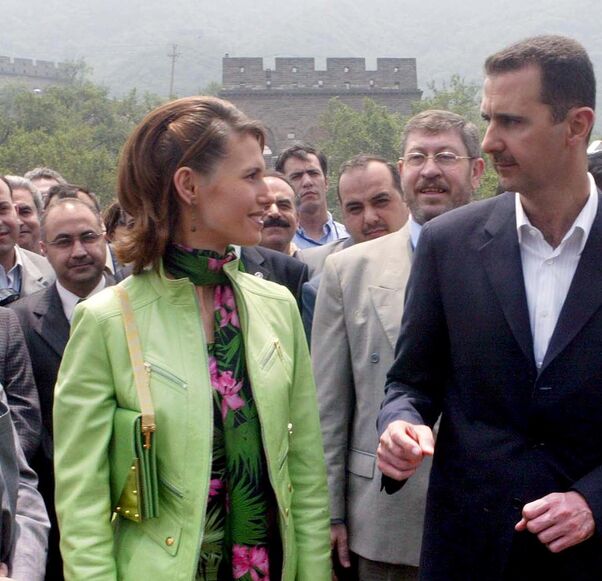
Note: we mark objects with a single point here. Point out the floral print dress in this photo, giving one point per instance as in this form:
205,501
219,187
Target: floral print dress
240,539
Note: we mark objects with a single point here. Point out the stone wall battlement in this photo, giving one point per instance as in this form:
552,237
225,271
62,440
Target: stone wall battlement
341,74
38,69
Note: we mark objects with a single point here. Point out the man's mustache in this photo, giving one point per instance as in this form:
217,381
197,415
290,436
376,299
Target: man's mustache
275,223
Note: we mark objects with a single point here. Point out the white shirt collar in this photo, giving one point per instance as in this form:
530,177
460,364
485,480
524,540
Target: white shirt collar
415,230
583,222
70,300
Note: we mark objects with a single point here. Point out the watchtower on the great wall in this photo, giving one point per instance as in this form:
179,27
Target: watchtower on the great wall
35,74
290,98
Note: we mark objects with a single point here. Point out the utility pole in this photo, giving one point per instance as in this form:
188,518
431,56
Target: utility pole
173,56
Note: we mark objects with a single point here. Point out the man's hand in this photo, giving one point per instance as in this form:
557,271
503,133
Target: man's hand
560,520
339,545
4,571
402,448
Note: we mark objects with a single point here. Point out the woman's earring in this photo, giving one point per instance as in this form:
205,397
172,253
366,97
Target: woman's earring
193,217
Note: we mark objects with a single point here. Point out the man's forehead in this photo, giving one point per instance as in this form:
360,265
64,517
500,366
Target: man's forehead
362,180
70,218
511,88
296,163
22,196
439,141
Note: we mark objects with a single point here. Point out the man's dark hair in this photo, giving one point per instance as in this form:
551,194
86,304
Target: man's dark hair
62,191
567,73
594,165
361,161
301,151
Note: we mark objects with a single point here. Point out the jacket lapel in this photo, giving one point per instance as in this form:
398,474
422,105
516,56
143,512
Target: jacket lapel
387,294
51,323
253,263
584,297
502,262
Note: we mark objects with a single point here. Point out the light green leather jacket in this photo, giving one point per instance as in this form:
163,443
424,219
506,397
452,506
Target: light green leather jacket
96,376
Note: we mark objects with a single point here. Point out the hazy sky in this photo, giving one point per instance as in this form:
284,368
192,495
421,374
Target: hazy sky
127,41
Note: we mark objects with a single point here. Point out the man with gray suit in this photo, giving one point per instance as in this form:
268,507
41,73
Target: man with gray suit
24,523
356,323
21,272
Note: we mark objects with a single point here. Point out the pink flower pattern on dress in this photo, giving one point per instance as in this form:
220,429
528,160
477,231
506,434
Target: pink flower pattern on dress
252,560
228,387
215,487
225,304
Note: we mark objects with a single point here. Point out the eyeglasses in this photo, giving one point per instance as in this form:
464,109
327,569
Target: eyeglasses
442,159
64,242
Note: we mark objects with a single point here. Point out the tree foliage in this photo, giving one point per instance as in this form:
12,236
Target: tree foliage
76,129
348,132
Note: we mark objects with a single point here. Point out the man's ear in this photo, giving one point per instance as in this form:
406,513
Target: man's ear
580,121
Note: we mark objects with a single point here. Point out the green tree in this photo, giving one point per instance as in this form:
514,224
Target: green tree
76,128
347,132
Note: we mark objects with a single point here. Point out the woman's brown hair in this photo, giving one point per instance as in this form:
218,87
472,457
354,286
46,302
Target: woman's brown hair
191,132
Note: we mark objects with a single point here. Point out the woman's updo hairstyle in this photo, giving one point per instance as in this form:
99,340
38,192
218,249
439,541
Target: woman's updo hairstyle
191,132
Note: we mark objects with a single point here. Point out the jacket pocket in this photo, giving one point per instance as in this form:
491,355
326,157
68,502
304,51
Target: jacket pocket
361,463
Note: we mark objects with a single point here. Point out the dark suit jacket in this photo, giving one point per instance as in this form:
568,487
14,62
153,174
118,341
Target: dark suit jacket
17,378
275,266
510,433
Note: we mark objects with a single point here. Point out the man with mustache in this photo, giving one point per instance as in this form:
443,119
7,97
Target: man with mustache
501,336
356,323
73,241
306,168
281,220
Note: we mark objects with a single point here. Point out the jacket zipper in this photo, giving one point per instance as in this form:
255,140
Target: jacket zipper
166,375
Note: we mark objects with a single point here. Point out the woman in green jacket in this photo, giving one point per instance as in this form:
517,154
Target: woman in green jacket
241,478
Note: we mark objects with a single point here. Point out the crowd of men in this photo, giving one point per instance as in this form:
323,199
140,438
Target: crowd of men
468,332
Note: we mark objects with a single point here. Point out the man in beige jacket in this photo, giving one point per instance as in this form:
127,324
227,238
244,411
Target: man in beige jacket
356,323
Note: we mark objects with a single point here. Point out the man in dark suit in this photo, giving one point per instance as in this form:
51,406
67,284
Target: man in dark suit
501,334
275,266
73,241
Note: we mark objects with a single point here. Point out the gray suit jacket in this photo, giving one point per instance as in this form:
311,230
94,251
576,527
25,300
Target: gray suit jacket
37,272
315,257
17,378
356,323
24,524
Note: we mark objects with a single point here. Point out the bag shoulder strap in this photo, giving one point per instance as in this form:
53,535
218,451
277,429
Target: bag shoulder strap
141,371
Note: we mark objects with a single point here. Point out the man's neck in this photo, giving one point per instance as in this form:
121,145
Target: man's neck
8,259
554,212
81,290
313,223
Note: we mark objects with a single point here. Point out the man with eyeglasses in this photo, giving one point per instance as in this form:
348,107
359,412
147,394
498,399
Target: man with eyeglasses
440,166
356,323
73,241
21,272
